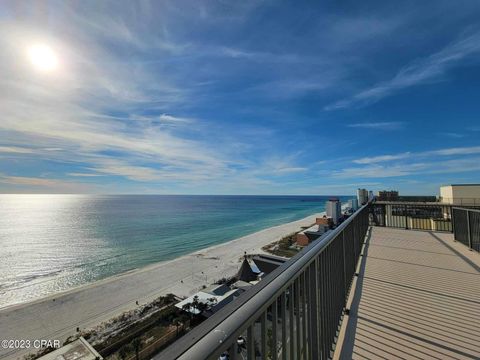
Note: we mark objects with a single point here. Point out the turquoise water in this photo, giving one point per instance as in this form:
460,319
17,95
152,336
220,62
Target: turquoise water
51,243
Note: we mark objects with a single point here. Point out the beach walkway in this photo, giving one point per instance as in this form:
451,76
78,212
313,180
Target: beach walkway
417,297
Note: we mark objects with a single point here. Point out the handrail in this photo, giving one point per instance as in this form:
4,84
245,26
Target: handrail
466,208
221,331
467,226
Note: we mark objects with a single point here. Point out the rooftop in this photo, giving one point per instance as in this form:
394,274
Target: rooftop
394,285
79,349
416,296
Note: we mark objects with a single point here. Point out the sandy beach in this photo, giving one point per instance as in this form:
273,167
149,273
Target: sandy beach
56,317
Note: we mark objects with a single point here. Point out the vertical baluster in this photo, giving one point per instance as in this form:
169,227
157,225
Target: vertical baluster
263,330
233,351
297,318
469,230
304,317
275,329
309,316
321,305
250,343
291,321
314,316
283,304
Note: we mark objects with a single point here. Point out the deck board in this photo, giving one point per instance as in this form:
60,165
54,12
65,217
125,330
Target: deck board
417,297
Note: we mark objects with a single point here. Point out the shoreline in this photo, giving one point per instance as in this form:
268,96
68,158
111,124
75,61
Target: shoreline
152,266
90,304
157,264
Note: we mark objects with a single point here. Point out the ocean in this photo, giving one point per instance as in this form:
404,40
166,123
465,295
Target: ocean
53,243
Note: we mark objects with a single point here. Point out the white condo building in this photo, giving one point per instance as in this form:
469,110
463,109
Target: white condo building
362,196
334,209
353,204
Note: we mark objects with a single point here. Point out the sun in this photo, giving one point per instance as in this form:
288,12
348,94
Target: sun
43,57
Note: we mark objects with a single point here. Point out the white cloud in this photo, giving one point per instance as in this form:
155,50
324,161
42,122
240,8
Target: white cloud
71,110
175,119
42,185
472,150
452,135
421,71
441,161
381,158
454,151
83,174
15,150
387,125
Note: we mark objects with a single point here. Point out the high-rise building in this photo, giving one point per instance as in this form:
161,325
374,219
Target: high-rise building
334,209
353,204
362,196
387,195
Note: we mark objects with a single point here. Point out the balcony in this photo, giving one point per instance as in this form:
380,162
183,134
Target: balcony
382,285
416,296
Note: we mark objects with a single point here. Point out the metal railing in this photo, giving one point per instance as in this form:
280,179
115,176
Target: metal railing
294,313
458,201
466,227
415,216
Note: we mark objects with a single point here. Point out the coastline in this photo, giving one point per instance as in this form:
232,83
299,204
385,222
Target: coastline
60,314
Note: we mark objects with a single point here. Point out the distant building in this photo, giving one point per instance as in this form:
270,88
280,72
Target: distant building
362,196
460,194
267,263
213,299
387,195
326,221
79,349
306,236
334,209
253,269
257,266
353,204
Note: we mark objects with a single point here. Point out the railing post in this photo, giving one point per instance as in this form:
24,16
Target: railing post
314,316
452,210
406,218
274,329
469,232
384,213
344,268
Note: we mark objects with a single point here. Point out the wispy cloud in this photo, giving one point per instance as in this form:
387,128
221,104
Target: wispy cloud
42,185
454,151
139,101
162,119
452,135
456,166
387,125
176,119
15,150
381,158
469,150
83,174
440,161
421,71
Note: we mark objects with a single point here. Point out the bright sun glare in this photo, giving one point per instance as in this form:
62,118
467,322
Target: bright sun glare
43,57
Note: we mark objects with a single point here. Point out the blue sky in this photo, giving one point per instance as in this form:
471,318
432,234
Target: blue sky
240,97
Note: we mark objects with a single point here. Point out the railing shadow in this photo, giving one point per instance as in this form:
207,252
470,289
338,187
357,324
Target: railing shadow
458,253
349,340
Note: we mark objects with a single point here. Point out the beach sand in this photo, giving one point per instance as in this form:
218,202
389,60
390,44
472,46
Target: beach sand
56,317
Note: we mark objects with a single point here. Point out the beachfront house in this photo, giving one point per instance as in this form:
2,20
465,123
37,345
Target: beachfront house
209,300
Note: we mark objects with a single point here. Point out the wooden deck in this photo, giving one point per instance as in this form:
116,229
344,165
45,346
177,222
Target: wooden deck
417,297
